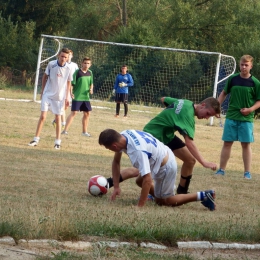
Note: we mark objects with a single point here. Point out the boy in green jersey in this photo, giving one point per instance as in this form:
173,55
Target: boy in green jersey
244,90
179,115
82,88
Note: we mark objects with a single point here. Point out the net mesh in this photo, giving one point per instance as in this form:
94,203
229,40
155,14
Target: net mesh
156,72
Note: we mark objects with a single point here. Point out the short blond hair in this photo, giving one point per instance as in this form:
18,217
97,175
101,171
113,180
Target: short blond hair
247,58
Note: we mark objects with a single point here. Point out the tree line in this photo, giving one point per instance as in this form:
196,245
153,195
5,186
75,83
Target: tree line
227,26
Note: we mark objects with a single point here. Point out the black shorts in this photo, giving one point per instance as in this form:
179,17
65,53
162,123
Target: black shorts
176,143
121,97
81,106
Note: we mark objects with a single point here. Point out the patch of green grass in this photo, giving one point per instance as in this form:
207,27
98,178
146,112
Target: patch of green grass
43,191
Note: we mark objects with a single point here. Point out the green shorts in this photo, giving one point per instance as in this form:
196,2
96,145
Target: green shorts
238,131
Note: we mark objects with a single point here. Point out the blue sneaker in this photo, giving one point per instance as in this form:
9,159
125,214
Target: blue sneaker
220,172
150,197
247,175
209,200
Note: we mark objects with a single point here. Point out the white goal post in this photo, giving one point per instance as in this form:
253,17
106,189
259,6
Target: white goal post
156,71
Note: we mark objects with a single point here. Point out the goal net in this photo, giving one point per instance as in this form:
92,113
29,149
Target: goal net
156,71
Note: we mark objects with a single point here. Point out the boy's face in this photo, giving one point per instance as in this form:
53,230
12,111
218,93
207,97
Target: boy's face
204,112
124,70
245,67
62,58
86,64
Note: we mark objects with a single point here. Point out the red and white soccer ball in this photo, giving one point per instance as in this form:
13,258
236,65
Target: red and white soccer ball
97,185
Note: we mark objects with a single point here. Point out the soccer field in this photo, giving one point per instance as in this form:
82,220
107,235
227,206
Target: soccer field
43,190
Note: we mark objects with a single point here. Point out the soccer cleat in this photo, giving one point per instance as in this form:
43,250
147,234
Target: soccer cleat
220,172
64,132
247,176
57,146
116,115
125,116
54,123
209,200
86,134
33,143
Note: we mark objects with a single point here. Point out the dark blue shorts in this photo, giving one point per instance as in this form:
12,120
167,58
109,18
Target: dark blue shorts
81,106
121,97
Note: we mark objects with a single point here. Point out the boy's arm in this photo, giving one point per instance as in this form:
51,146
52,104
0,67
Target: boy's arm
44,81
146,186
195,152
116,175
222,97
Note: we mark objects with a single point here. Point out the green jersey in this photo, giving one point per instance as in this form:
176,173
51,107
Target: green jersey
81,84
177,116
243,94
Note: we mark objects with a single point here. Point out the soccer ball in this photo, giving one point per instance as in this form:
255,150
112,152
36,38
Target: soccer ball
97,185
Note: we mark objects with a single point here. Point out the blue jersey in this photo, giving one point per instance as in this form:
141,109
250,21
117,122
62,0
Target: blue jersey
127,79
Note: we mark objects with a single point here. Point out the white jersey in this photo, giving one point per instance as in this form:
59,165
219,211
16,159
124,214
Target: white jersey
73,66
145,151
57,80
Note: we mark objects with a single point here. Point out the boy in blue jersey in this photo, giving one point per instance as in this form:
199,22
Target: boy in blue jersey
123,81
244,90
156,167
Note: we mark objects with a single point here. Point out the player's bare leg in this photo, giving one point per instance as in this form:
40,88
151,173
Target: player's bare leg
125,174
40,123
69,120
186,169
225,154
247,156
85,120
58,126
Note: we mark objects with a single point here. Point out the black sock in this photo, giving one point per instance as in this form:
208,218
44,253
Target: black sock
111,182
182,190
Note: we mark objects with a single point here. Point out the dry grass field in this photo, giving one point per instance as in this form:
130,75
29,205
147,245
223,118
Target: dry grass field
43,190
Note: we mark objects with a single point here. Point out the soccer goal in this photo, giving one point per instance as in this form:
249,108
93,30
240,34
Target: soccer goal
157,72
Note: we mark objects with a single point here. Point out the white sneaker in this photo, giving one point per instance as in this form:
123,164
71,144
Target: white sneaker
33,143
57,146
64,132
86,134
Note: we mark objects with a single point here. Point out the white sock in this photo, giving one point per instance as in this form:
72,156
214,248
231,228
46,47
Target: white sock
36,139
57,141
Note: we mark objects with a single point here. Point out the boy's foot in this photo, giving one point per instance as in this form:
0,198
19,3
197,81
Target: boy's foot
125,116
86,134
209,200
116,115
57,146
33,143
54,123
247,176
149,198
220,172
64,132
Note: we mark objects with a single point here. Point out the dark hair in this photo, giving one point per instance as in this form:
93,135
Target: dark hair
108,137
86,58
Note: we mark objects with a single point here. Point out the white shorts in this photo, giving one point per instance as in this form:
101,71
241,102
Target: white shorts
57,107
164,180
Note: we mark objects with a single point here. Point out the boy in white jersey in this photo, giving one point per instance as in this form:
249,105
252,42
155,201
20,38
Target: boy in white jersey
73,66
154,161
55,92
